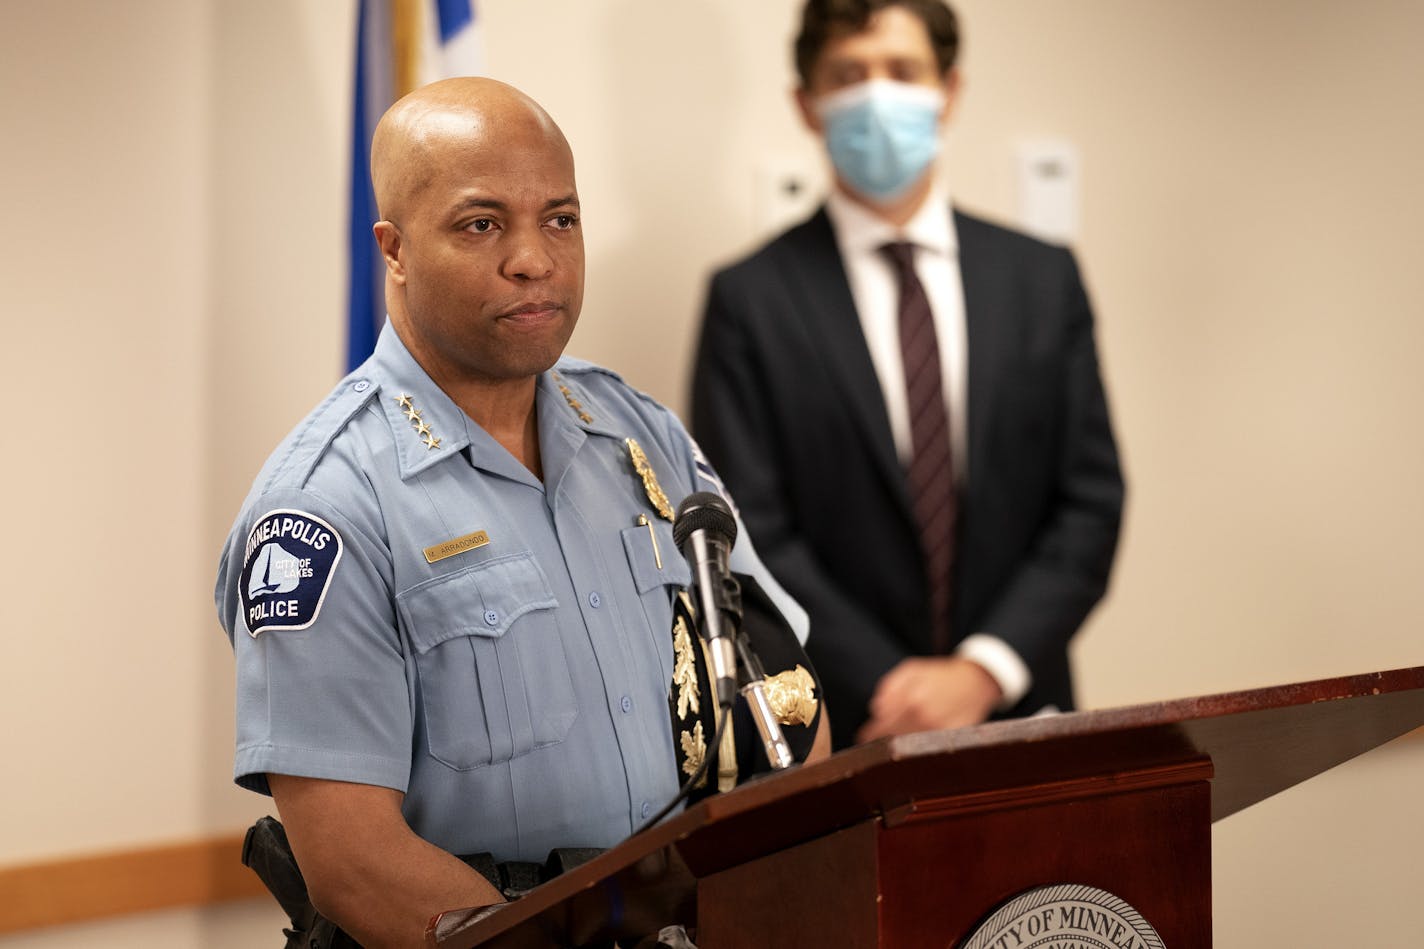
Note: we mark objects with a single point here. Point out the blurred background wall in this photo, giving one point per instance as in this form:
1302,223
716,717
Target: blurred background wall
173,180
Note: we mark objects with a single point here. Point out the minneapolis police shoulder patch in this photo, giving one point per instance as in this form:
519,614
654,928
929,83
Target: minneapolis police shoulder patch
287,568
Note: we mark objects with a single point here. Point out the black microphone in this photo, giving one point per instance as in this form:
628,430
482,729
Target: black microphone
704,531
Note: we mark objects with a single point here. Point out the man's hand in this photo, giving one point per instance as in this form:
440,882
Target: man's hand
925,694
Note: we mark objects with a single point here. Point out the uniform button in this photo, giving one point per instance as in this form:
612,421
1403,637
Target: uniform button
646,809
626,704
491,617
362,386
594,600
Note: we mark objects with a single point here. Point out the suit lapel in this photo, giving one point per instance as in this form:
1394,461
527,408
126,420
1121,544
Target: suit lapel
987,298
816,269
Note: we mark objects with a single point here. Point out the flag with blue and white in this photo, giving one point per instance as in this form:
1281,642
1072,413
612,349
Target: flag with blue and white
401,45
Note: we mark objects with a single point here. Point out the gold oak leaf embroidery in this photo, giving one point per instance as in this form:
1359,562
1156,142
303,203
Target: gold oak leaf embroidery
684,670
694,749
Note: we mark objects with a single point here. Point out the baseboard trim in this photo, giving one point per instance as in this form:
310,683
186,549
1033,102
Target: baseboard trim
82,889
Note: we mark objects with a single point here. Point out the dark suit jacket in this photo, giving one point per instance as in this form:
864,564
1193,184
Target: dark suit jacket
787,407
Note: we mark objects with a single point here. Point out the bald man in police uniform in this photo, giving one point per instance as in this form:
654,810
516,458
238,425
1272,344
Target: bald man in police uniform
450,589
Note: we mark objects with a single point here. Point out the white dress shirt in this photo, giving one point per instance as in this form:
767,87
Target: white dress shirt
876,291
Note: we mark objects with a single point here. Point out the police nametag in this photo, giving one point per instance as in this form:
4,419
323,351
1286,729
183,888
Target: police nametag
286,570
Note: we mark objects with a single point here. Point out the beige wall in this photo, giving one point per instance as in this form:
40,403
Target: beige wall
105,562
173,181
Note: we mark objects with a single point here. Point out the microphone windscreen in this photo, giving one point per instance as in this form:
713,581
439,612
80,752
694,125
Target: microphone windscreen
707,512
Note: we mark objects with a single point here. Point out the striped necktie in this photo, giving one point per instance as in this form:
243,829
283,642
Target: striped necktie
931,472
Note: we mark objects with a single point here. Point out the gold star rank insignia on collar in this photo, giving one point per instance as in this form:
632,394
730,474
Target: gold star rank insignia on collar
422,427
650,479
574,403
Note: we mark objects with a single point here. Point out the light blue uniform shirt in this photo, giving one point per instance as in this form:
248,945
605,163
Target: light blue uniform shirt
515,688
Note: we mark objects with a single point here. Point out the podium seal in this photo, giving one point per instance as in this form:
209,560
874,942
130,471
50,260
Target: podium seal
1067,915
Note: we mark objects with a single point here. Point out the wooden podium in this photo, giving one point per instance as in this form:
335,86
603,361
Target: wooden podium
917,841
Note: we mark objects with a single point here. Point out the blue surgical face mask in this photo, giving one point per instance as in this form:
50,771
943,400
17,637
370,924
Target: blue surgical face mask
881,134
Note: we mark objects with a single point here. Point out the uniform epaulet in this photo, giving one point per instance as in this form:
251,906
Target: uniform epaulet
582,370
303,448
573,366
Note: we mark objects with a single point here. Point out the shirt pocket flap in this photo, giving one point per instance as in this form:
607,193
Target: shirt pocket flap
483,600
653,558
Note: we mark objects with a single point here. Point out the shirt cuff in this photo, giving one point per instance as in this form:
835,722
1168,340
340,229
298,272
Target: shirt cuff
1001,662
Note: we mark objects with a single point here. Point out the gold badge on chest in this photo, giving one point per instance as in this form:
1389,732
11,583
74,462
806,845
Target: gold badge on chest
656,497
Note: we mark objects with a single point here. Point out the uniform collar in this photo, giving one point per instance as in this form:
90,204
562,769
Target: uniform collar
567,413
411,400
565,383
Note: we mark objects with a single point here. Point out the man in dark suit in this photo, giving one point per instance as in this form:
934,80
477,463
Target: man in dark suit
906,403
